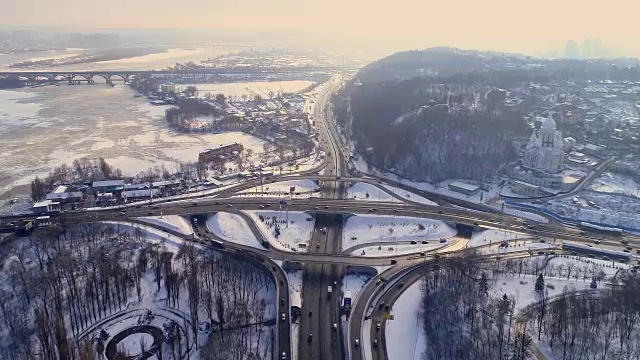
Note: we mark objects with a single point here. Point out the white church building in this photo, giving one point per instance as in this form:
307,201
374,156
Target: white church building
545,150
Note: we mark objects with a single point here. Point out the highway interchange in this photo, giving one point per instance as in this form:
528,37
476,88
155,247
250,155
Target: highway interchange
320,328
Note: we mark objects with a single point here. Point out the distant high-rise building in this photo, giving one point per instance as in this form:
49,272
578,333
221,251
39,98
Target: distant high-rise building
571,50
586,49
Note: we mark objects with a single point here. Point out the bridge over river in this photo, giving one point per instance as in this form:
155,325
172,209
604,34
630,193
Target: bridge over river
72,76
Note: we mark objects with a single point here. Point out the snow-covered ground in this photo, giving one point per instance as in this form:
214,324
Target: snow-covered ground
404,334
490,236
522,287
173,222
284,187
354,283
490,191
363,229
294,236
409,195
233,228
610,268
364,191
525,215
396,249
517,246
610,182
609,209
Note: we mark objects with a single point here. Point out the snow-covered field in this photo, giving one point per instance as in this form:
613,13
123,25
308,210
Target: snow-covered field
404,334
363,229
409,195
525,215
396,249
232,227
562,264
294,236
364,191
354,283
173,222
517,246
284,187
489,236
522,287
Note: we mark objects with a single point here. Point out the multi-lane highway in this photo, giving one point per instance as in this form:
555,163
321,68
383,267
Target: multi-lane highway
320,308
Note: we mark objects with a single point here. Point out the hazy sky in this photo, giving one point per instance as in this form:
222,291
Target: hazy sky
529,26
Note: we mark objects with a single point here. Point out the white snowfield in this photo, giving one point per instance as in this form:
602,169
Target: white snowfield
354,283
397,249
363,229
294,235
233,228
409,195
300,186
364,191
522,287
173,222
518,246
404,334
490,236
610,268
525,214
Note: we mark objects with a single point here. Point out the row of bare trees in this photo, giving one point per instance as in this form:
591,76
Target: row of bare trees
61,280
462,320
591,325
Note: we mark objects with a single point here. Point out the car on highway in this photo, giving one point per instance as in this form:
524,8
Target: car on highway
123,212
375,342
230,205
284,356
378,326
283,317
335,327
597,241
373,210
310,337
357,342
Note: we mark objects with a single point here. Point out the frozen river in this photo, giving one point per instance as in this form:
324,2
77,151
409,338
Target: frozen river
44,127
146,62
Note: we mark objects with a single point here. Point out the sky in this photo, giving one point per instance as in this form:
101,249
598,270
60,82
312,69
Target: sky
526,26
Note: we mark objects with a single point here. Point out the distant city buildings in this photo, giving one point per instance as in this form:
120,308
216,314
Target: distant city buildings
545,150
96,40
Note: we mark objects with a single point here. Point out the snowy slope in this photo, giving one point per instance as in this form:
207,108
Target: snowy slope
409,195
364,191
294,236
173,222
233,228
404,335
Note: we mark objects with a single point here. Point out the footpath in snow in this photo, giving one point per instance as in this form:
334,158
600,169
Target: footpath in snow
292,236
404,334
232,227
365,229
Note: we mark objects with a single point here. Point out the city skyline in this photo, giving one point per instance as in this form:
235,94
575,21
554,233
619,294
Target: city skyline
533,29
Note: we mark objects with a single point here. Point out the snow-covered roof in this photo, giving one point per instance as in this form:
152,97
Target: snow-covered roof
107,183
43,203
60,189
464,186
